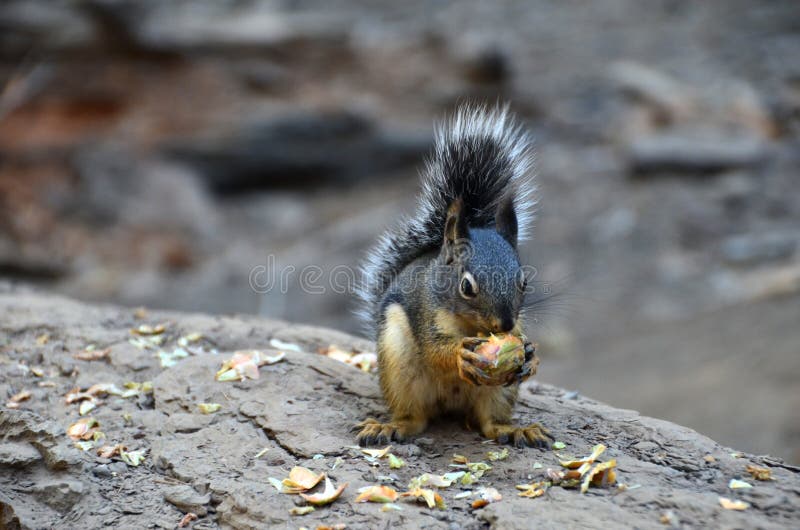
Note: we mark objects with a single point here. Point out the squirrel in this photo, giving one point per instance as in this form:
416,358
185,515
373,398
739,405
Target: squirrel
450,272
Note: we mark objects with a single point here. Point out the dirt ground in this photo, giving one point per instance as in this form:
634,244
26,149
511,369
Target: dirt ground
299,412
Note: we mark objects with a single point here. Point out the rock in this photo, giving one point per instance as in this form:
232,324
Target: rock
102,471
52,26
299,149
116,187
126,355
693,153
187,499
179,28
117,468
306,404
8,518
17,454
645,84
751,249
184,422
60,495
483,61
45,436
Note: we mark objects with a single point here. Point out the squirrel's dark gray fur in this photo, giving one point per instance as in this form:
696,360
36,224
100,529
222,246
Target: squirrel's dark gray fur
480,156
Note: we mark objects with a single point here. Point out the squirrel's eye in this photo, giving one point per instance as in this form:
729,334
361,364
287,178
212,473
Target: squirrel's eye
468,286
522,281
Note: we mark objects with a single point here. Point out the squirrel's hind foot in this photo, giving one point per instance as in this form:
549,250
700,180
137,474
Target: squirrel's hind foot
373,432
534,435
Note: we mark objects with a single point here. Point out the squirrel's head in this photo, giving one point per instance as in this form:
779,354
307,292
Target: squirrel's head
482,269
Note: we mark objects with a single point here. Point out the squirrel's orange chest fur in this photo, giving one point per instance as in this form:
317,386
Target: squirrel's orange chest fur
421,379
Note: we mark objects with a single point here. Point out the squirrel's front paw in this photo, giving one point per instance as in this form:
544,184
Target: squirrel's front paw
471,368
531,363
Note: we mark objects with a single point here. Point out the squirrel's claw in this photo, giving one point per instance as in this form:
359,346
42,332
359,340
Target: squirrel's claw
530,350
534,435
470,343
470,368
531,365
373,432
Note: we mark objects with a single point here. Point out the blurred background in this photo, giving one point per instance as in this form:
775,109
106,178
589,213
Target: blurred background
154,153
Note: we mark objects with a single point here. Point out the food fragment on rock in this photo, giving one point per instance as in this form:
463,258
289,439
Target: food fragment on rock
133,388
42,339
391,507
86,407
189,339
600,475
365,361
469,479
186,519
84,446
710,459
244,364
670,519
431,498
736,484
476,469
532,490
729,504
104,389
327,496
597,450
92,354
377,494
133,458
171,358
110,451
487,496
454,476
19,397
395,462
759,473
427,479
261,453
463,495
278,344
583,471
300,480
277,484
498,455
460,459
83,429
209,408
301,510
376,453
558,446
147,330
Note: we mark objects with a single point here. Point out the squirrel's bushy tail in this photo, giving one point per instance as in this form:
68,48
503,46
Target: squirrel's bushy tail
480,156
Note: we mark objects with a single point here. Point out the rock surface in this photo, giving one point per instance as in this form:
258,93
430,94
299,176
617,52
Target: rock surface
299,412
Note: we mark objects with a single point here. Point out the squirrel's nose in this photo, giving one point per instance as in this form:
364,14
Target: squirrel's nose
505,324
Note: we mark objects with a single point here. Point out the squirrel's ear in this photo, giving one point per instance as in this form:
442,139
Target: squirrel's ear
455,228
505,221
